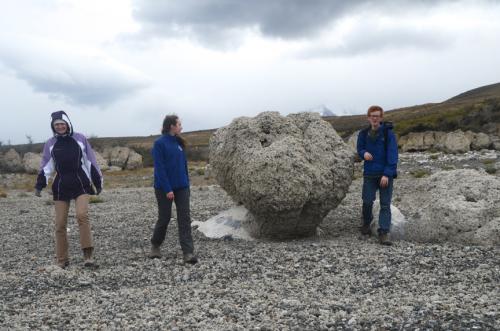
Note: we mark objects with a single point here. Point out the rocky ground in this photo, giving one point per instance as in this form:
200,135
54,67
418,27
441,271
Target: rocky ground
336,280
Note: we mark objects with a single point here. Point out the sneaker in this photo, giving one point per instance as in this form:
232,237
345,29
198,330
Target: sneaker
155,252
384,239
190,258
366,230
88,261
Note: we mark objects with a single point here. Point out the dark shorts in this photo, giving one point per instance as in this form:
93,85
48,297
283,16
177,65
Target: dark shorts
68,187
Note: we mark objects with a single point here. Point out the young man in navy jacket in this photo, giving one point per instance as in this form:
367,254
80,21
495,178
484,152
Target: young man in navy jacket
378,148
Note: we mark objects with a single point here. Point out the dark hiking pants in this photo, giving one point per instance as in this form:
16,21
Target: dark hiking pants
181,199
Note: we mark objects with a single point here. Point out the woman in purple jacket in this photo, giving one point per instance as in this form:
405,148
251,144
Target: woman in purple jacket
71,157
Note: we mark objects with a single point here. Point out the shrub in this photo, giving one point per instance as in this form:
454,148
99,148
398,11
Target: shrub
488,161
95,199
419,173
434,156
491,170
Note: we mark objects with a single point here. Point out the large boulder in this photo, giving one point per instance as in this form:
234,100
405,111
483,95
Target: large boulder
455,142
118,156
11,161
459,206
421,141
134,161
101,161
31,162
478,140
289,172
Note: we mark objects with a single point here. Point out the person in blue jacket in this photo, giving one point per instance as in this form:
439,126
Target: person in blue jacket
171,184
378,148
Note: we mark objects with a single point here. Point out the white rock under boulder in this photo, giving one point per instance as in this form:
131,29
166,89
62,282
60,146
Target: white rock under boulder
398,222
226,225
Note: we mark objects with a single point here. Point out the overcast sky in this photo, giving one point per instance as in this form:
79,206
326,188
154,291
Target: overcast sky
119,66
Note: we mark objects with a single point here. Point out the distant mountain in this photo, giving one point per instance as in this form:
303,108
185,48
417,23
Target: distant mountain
322,110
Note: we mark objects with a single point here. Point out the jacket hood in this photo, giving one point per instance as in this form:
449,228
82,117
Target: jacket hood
61,115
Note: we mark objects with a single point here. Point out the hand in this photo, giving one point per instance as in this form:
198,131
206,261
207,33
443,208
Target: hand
384,181
170,195
368,156
38,193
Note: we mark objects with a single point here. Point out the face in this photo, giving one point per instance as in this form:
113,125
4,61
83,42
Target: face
61,128
177,128
375,118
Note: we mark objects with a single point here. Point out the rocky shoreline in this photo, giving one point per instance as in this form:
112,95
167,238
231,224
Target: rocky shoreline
335,280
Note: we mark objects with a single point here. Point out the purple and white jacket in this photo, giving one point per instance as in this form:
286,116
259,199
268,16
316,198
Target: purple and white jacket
72,159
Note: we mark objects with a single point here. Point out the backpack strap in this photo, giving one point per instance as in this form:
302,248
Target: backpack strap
387,126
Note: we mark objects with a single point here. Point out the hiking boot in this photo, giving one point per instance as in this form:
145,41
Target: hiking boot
366,230
190,258
384,239
63,265
155,252
88,261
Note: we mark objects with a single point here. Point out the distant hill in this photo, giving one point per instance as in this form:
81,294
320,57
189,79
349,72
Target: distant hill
477,110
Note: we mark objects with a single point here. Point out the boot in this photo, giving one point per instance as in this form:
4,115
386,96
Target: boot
88,261
155,252
384,239
365,230
190,258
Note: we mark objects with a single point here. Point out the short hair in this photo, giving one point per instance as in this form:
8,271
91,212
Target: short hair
375,108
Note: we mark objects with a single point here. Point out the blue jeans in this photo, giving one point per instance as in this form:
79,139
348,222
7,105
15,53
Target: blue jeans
370,187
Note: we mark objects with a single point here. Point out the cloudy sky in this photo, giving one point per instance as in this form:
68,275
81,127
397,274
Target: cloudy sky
118,66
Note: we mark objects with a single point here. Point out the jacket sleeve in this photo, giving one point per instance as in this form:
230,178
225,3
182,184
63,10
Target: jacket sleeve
361,144
95,171
391,164
46,167
160,168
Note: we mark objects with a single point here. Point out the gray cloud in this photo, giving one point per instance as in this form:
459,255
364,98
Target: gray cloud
366,38
214,21
74,75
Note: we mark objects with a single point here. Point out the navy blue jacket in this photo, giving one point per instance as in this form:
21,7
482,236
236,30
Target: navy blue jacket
383,163
170,164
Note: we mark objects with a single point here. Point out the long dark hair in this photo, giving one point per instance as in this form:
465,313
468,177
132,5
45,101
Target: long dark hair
167,123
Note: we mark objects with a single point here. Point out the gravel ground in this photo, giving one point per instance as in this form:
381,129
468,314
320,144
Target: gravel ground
336,280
